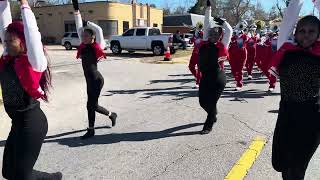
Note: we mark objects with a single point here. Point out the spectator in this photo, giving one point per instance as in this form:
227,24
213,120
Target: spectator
178,39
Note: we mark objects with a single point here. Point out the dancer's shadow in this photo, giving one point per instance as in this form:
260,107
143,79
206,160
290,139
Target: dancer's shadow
74,132
131,55
274,111
2,143
179,75
182,90
181,81
247,94
178,93
129,137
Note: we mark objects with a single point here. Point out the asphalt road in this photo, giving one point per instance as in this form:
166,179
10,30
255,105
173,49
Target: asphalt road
157,134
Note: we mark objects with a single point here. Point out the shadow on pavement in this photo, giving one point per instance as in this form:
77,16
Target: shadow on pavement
132,55
274,111
184,91
2,143
246,94
129,137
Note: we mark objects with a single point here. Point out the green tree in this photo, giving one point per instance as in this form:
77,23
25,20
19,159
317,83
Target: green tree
196,9
153,5
15,10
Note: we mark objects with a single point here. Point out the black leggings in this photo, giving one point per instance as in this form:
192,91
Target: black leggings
210,90
94,87
29,128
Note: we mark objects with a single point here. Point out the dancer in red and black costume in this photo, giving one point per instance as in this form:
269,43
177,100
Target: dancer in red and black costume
194,60
238,57
24,78
264,53
90,52
213,78
297,133
251,48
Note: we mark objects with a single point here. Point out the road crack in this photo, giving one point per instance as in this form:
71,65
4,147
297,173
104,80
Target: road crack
236,118
184,156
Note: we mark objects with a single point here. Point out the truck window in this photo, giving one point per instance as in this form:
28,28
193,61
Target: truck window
66,34
130,32
74,35
154,32
141,32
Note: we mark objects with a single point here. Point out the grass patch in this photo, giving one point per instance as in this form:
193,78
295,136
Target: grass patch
182,53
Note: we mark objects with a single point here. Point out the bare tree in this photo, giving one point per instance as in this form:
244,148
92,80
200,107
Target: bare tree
280,5
180,10
273,13
236,10
259,13
166,11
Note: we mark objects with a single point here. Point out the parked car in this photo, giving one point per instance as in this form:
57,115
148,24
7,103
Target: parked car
187,38
71,40
142,38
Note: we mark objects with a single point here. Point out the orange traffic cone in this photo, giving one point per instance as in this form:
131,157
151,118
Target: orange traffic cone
167,56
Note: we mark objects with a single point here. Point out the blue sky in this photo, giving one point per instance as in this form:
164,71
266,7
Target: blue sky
267,4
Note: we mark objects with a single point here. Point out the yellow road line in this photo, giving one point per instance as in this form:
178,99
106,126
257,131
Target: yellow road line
242,167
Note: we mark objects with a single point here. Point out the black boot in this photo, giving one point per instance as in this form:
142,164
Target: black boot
207,128
56,176
205,131
39,175
89,134
113,118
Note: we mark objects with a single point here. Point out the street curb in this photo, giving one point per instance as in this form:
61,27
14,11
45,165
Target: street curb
242,167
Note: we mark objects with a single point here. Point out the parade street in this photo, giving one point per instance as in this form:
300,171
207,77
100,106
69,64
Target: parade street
159,119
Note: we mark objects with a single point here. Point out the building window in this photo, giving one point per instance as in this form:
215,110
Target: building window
141,11
125,26
110,27
70,26
141,22
155,25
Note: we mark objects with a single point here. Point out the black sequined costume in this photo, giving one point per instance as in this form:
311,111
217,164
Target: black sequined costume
297,132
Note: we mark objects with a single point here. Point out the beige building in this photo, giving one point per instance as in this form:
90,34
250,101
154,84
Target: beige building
114,18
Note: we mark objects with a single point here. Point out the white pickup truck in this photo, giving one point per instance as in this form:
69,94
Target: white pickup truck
142,38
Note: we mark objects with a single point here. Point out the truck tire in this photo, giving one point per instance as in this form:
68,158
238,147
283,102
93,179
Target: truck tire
116,48
68,46
158,49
